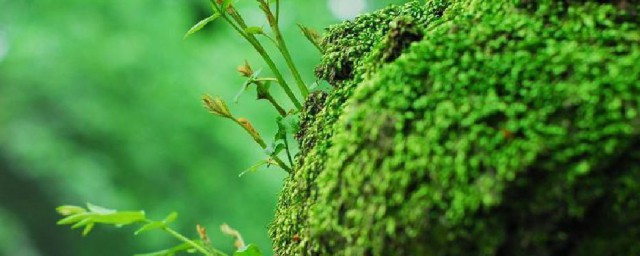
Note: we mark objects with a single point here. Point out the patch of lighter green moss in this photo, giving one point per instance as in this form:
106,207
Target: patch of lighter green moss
508,129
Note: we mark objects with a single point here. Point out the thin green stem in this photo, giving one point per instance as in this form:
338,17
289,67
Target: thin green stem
271,39
258,139
282,47
277,10
263,53
275,104
192,243
271,100
277,74
275,71
286,148
266,80
283,165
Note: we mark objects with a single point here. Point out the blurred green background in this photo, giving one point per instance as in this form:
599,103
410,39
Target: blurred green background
100,103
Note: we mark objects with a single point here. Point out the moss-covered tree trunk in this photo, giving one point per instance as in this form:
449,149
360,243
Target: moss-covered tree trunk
479,127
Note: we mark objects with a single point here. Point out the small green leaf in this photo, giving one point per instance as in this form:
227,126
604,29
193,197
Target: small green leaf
246,84
279,148
87,229
170,218
291,123
120,218
198,26
82,223
287,125
67,210
99,209
254,30
254,168
249,250
73,218
274,149
281,134
149,226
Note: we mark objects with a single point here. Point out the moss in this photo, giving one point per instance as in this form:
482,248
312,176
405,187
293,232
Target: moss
507,129
346,45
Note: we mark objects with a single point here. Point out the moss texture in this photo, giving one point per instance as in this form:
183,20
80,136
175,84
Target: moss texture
472,128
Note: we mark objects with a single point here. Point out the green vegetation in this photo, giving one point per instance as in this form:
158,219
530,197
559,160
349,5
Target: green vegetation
502,127
80,217
449,127
100,102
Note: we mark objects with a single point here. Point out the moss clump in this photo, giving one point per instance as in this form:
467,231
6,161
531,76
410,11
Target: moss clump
347,44
509,128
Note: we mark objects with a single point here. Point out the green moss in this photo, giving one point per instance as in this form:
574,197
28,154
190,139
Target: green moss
509,128
346,45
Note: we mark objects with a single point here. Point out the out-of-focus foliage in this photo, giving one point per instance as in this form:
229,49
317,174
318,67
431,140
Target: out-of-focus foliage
99,102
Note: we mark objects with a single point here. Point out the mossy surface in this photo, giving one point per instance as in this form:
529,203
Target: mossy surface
472,128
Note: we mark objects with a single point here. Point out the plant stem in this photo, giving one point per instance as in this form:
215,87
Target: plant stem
260,49
282,46
192,243
263,145
277,10
273,102
266,80
276,72
286,147
282,165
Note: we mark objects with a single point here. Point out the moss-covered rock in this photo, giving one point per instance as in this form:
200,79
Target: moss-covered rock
472,128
